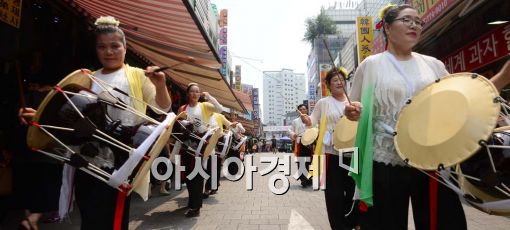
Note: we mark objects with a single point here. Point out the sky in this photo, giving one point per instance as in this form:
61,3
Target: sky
269,31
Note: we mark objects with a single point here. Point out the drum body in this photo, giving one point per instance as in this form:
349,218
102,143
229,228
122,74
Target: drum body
486,175
450,123
72,125
192,142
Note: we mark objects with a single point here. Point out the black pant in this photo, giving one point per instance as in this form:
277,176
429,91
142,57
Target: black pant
97,203
339,193
209,171
195,186
304,151
392,188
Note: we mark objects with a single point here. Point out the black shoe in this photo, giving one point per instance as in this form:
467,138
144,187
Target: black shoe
205,195
304,183
212,192
192,213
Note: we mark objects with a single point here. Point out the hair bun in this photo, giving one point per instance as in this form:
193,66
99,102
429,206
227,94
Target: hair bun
384,10
107,21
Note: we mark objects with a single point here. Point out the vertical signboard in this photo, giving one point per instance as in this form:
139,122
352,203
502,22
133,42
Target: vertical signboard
311,96
323,71
237,75
223,18
365,35
223,44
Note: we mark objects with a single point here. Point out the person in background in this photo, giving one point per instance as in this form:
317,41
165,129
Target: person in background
274,148
339,190
296,130
199,115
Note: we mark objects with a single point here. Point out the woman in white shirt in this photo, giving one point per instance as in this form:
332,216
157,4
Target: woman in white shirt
383,82
199,115
339,186
96,200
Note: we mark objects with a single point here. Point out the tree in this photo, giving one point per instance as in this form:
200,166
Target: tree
320,25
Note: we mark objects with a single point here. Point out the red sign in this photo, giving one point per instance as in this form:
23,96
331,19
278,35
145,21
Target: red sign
429,10
436,10
378,44
487,49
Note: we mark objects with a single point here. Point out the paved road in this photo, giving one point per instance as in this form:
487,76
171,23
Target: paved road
236,208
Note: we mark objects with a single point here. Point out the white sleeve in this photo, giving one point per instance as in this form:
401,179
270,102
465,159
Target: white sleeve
240,127
316,114
292,128
357,84
149,95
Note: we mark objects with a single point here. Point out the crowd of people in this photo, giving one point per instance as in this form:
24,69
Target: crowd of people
381,84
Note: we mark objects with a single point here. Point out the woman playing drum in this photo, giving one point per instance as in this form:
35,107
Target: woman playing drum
199,115
97,201
383,83
339,186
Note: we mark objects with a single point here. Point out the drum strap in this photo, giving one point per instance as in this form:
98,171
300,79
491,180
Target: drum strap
403,74
119,209
433,189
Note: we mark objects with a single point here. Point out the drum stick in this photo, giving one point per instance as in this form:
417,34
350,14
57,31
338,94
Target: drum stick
501,129
161,69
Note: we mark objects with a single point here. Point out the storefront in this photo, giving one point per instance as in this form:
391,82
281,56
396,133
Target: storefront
468,36
43,41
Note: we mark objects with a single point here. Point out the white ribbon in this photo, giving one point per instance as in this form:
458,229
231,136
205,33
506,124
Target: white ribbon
120,176
241,142
225,144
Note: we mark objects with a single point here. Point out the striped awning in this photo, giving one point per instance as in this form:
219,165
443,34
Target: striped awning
168,33
245,99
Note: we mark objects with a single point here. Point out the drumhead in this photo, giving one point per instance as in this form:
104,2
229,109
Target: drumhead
309,136
344,134
445,121
141,179
35,137
211,143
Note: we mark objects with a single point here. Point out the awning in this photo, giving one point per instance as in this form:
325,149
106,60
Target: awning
168,33
245,99
444,21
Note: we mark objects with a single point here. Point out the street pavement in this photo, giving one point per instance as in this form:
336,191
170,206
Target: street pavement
233,207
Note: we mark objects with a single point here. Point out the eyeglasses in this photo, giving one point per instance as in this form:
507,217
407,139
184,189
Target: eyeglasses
410,22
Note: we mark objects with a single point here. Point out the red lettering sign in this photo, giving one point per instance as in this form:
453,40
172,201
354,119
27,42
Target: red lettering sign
485,50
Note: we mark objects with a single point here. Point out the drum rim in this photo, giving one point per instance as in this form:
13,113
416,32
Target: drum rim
36,138
313,132
472,189
340,133
154,153
448,159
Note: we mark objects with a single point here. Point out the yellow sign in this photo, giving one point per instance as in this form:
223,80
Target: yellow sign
10,12
365,34
422,6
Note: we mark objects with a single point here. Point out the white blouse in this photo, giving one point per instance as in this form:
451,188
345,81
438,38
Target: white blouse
195,116
390,95
333,109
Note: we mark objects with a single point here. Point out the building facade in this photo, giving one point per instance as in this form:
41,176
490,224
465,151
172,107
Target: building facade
283,91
